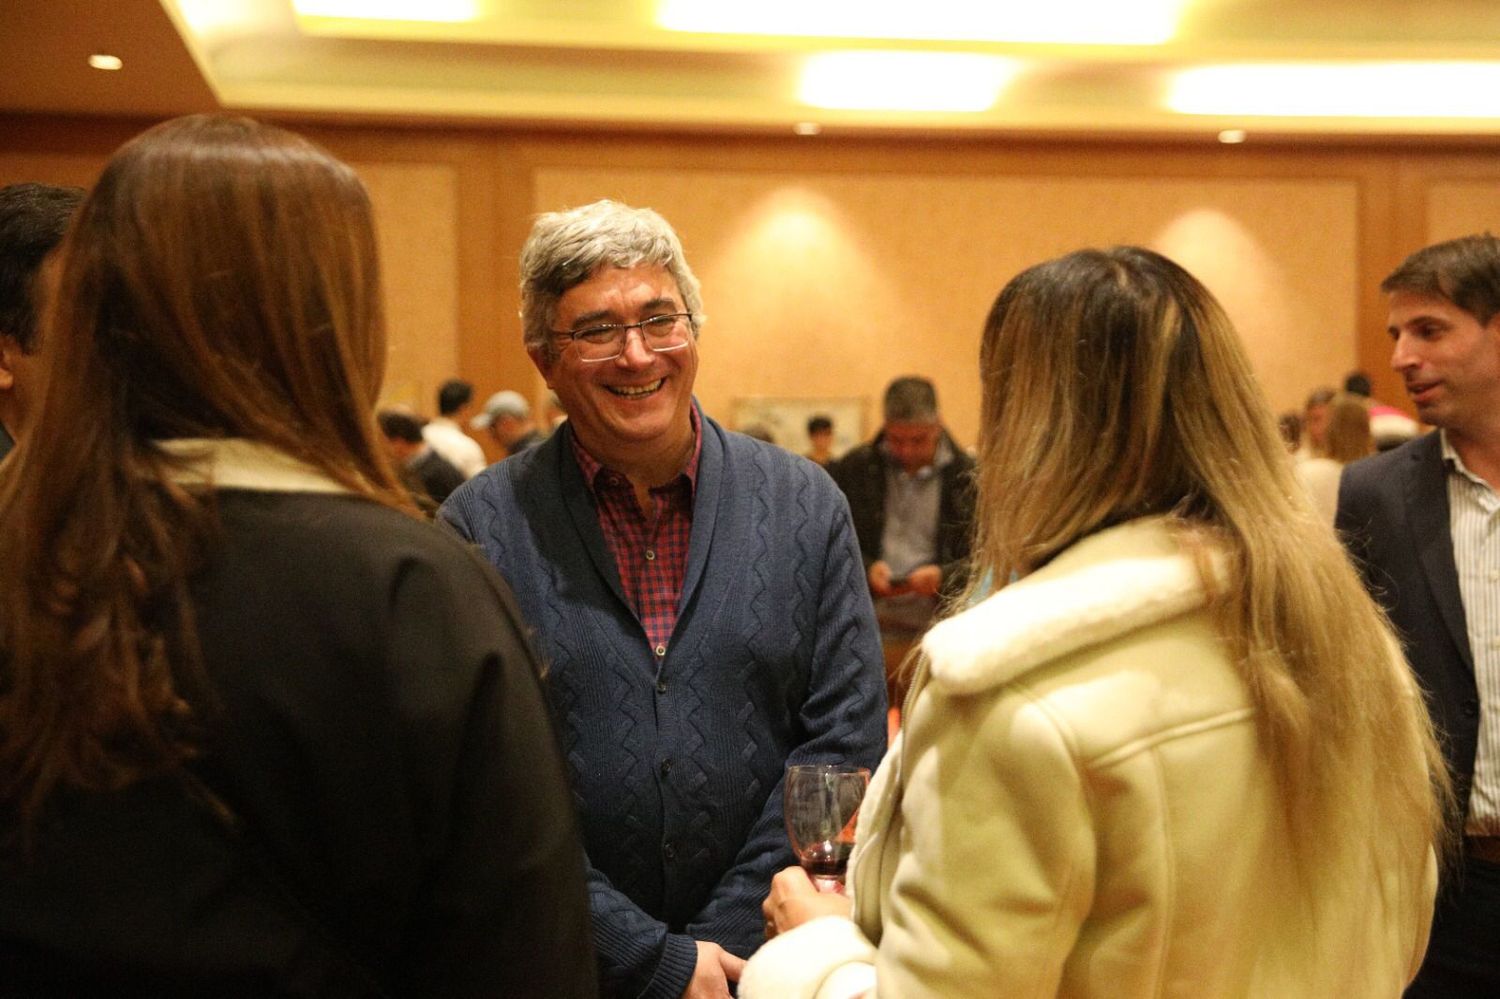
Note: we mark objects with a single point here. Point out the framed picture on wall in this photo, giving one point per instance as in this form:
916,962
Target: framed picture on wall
785,419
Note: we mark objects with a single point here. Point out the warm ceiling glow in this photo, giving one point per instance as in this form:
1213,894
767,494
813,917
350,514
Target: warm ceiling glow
1233,136
1078,22
1365,90
445,11
99,60
807,128
905,81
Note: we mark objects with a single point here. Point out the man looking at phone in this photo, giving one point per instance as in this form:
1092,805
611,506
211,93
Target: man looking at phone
912,499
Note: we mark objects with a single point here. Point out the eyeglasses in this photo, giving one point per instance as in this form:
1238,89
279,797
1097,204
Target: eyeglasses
606,341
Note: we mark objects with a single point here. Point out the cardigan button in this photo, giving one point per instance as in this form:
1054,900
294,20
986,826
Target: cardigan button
669,851
660,650
661,686
666,766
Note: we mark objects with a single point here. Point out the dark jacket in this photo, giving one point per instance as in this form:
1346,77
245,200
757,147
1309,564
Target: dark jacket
861,474
374,723
678,755
1393,517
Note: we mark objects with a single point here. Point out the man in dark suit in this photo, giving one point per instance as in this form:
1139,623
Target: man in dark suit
1423,523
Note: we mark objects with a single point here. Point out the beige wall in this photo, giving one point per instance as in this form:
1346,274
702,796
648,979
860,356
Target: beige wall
830,266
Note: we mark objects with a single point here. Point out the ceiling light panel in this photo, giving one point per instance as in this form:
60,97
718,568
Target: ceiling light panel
435,11
1363,90
1076,22
905,81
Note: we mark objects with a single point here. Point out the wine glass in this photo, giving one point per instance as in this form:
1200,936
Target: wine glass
821,802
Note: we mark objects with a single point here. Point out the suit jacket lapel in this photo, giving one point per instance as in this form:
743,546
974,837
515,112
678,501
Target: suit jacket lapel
1426,495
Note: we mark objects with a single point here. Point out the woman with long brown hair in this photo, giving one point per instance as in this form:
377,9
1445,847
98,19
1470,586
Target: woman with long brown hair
1180,754
262,730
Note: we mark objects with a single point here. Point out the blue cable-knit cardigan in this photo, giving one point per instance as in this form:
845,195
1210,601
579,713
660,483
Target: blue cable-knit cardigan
677,760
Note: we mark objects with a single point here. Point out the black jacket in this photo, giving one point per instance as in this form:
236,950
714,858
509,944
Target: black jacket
375,726
861,475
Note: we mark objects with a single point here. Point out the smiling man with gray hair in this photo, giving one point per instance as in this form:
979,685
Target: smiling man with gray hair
698,597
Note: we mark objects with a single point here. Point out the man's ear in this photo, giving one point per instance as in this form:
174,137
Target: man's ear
9,351
543,363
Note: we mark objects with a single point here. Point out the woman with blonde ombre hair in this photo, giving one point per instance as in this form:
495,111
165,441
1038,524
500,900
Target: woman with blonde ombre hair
1180,754
263,731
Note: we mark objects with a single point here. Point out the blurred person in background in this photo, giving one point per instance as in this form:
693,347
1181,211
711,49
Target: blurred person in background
263,731
446,434
1346,438
33,218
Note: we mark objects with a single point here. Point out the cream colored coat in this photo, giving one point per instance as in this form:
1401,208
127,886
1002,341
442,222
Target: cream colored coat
1077,807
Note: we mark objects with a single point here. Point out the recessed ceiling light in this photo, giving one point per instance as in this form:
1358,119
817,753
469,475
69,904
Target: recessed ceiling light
1233,136
100,60
1349,90
906,81
807,128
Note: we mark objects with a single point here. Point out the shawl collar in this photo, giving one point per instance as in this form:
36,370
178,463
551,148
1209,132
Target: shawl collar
1424,491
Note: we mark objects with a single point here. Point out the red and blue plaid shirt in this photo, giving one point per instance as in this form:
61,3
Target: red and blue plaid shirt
650,548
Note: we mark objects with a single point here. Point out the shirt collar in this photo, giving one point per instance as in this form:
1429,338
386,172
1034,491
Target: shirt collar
1455,463
236,463
594,470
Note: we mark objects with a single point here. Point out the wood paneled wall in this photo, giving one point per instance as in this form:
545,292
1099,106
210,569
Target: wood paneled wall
831,265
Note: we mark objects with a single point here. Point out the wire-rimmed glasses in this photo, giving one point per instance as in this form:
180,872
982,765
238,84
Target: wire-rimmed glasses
606,341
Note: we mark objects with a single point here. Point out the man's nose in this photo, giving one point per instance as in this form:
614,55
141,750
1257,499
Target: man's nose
634,351
1401,355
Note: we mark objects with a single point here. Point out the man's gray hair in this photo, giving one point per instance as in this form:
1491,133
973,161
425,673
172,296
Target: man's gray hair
566,248
911,400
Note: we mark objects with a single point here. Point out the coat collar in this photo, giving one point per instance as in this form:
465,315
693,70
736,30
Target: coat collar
1124,578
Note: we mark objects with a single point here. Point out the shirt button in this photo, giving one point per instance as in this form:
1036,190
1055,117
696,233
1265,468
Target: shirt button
661,650
650,555
666,766
669,850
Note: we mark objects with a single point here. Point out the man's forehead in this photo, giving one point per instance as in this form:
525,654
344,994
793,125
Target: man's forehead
1409,306
910,428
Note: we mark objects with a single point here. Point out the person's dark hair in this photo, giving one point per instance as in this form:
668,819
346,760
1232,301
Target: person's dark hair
819,424
1465,271
33,218
399,426
1290,425
453,395
910,399
1320,396
1358,383
221,281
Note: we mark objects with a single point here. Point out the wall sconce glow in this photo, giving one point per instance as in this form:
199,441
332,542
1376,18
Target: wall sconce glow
1233,136
100,60
438,11
1078,22
905,81
1363,90
807,128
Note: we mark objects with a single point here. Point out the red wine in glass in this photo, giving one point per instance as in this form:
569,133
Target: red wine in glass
821,804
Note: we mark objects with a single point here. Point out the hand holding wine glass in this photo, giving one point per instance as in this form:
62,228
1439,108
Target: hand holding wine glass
821,803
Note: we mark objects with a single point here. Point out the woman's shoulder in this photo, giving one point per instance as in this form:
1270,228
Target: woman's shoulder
1113,641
